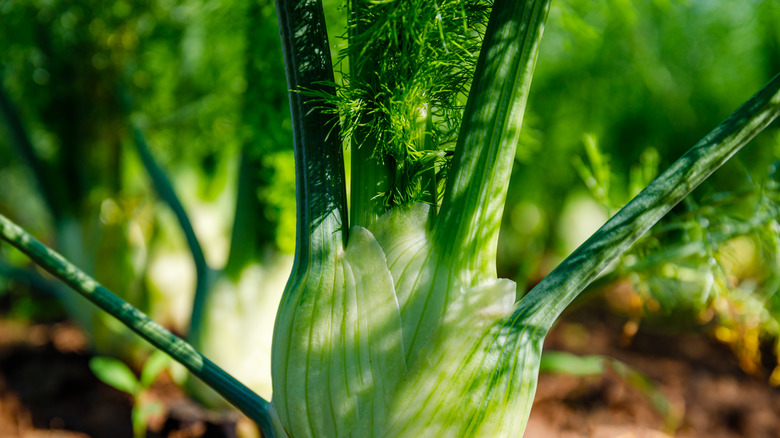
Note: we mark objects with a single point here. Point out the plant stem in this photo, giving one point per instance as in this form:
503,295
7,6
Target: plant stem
254,406
368,177
475,194
429,176
165,191
319,162
250,226
545,302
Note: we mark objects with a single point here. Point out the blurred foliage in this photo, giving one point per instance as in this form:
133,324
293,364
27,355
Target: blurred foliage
716,263
637,76
559,362
205,84
622,89
184,66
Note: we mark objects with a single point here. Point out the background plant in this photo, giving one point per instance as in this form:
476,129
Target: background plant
116,374
121,162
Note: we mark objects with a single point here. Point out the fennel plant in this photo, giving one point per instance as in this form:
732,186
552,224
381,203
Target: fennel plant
394,322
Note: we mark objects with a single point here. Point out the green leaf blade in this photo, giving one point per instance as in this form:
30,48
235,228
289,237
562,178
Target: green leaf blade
116,374
155,364
559,362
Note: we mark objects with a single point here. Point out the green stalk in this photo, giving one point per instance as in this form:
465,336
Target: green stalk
462,250
474,198
254,406
545,302
164,188
249,233
430,183
322,223
368,177
319,162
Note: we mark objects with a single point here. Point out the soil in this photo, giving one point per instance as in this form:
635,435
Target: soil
708,394
48,390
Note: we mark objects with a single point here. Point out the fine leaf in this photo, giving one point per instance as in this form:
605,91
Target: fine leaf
154,365
558,362
116,374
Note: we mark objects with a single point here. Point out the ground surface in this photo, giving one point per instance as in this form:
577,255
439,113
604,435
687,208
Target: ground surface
47,390
700,379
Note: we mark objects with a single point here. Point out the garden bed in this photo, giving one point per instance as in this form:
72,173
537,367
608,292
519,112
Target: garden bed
48,390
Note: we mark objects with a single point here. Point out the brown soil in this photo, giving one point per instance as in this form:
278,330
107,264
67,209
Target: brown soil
700,378
47,390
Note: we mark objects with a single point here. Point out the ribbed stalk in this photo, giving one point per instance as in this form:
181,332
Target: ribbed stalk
368,178
234,391
461,251
298,365
470,217
319,162
545,302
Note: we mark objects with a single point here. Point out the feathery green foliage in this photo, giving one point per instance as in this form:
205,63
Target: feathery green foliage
410,65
